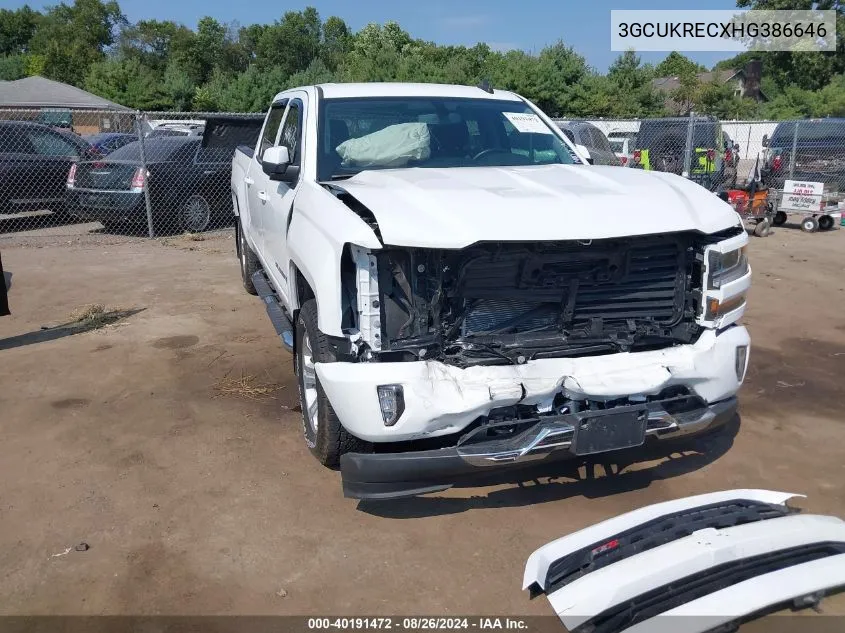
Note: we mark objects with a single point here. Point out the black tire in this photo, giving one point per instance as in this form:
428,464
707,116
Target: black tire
762,229
329,440
248,261
780,218
809,224
825,223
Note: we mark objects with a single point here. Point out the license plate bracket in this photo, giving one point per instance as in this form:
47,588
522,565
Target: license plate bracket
609,430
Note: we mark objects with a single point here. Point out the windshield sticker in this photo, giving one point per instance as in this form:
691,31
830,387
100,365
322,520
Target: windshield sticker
527,123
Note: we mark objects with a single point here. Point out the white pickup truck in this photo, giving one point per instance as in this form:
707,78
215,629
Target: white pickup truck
461,291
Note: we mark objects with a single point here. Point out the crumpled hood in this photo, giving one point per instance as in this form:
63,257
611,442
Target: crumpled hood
456,207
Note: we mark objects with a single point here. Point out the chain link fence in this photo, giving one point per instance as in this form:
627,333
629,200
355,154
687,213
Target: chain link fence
126,173
771,171
75,172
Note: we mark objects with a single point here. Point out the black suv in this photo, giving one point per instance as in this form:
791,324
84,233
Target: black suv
661,146
819,155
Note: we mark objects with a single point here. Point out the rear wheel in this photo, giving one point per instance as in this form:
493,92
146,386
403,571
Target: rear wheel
780,218
195,214
324,434
826,223
248,261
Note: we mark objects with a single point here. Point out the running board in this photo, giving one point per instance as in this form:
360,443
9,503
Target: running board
281,322
690,557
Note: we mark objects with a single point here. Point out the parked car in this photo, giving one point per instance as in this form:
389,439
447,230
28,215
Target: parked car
621,144
661,146
106,142
461,293
591,141
187,178
171,129
820,155
34,162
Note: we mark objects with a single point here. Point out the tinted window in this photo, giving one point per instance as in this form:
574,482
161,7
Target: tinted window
809,131
13,140
155,149
290,131
568,133
617,144
599,140
271,128
49,144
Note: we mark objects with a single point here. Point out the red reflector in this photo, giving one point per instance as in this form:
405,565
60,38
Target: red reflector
638,156
601,549
777,163
711,154
728,156
624,160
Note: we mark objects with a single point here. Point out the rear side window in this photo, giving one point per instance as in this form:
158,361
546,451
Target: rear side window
49,144
600,140
271,128
568,134
13,141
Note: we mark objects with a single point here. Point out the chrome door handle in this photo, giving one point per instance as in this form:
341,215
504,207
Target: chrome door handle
262,195
248,181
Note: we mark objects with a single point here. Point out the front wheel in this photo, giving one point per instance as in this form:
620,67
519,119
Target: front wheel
324,434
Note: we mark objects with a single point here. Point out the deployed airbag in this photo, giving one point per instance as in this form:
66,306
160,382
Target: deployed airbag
393,146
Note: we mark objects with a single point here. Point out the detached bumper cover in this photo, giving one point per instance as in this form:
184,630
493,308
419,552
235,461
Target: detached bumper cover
394,475
718,557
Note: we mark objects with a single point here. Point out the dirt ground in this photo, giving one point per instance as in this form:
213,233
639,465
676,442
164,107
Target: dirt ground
169,441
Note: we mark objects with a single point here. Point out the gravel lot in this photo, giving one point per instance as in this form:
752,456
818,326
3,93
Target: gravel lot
169,441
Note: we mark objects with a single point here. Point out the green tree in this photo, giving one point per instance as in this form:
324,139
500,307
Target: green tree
12,67
178,87
336,42
127,82
16,29
292,42
676,65
73,37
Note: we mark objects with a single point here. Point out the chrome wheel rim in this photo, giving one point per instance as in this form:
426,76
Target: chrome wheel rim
196,214
309,384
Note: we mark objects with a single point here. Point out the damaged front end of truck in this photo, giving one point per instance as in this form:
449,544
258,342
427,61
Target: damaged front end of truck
509,303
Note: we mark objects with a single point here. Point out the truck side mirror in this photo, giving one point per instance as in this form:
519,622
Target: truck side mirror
765,140
275,162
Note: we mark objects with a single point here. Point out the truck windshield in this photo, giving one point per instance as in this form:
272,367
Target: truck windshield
383,133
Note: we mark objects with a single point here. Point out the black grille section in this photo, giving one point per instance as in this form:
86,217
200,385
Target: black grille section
653,288
654,533
674,594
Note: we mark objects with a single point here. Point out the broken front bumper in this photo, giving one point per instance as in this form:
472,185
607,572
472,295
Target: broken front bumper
551,438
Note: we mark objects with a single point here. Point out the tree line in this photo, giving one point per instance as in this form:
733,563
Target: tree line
163,65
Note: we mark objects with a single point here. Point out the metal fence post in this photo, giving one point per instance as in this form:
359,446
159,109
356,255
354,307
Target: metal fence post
140,132
794,149
688,150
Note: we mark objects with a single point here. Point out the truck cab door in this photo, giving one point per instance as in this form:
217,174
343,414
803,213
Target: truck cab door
256,182
281,193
